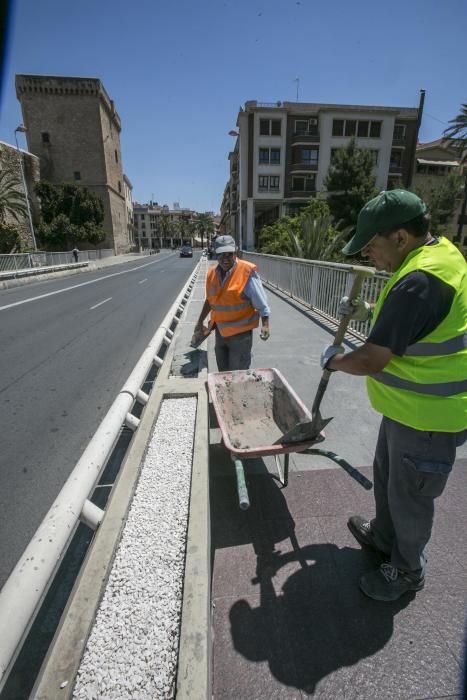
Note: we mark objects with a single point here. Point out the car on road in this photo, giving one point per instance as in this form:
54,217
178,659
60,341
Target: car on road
186,251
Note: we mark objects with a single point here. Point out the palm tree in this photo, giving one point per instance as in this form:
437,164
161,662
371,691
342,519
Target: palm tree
11,199
318,239
457,133
204,226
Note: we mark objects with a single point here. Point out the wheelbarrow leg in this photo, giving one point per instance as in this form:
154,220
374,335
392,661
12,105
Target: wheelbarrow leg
283,477
242,490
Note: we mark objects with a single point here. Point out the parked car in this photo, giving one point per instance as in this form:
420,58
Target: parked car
186,251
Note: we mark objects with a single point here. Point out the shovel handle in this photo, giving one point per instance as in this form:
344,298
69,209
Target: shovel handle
351,471
360,273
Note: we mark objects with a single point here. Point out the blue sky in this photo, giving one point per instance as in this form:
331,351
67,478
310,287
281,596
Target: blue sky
178,70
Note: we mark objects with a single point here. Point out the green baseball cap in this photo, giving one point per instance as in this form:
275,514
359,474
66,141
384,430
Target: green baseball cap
386,212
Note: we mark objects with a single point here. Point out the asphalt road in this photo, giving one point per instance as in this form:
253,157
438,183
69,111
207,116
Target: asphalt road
63,358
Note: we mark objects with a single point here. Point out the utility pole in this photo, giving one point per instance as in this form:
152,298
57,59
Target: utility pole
414,149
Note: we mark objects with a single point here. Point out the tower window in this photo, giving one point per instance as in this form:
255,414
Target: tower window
77,175
116,157
45,137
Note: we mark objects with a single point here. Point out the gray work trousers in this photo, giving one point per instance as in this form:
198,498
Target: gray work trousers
411,468
233,352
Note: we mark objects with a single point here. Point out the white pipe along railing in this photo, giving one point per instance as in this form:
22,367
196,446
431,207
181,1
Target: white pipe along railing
317,284
27,585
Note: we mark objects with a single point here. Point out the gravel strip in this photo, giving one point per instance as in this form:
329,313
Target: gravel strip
132,651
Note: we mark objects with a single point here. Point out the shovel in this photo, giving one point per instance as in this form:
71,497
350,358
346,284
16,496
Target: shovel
307,431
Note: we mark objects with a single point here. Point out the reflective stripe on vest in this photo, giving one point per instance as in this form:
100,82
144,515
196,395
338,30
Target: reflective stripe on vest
447,348
443,389
231,312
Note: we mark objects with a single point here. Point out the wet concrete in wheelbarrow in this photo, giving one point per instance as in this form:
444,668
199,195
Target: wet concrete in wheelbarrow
257,411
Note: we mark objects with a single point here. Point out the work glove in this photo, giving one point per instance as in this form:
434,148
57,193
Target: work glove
329,352
264,333
358,310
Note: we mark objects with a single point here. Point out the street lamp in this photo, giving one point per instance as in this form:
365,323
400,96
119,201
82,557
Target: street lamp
23,130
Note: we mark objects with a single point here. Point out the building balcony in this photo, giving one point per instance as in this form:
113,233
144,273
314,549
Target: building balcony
306,165
304,138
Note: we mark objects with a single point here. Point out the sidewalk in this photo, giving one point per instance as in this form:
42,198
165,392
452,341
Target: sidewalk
288,618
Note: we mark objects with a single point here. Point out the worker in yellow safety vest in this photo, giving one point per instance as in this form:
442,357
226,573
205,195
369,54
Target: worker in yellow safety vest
236,300
415,361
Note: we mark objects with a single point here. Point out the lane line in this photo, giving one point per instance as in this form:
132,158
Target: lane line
143,281
99,304
75,286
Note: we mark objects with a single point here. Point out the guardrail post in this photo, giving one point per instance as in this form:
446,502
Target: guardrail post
131,421
91,515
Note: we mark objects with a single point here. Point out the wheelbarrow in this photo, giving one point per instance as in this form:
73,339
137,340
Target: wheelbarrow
254,408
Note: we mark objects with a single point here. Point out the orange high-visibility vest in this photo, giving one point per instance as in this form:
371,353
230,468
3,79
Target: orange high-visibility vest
230,312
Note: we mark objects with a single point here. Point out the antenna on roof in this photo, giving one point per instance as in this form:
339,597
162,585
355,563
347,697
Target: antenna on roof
297,80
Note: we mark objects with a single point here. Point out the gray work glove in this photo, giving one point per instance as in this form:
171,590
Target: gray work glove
358,310
329,352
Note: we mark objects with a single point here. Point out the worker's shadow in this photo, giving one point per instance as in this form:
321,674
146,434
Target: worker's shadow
314,621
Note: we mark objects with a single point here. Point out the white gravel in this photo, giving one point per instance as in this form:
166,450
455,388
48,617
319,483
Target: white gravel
133,647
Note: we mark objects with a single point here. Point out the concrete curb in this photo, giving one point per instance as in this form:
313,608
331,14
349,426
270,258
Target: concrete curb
194,669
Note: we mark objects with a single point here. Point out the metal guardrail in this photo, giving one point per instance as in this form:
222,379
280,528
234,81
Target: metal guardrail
24,261
317,284
23,592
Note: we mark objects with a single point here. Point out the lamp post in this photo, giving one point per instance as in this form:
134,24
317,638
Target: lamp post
23,130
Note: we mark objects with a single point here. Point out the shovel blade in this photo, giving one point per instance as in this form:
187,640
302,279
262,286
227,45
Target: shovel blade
305,431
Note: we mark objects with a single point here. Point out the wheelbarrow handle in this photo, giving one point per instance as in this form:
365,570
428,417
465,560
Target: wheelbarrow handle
354,473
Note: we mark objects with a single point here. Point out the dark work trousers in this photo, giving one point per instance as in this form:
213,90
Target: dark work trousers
233,352
411,468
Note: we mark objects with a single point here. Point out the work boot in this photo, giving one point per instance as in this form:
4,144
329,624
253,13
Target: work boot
388,583
361,530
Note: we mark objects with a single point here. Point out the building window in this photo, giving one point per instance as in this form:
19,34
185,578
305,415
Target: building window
374,155
399,132
270,156
270,127
337,127
119,186
301,126
263,183
310,156
306,127
268,183
275,156
362,130
350,127
305,183
274,182
396,159
77,175
45,136
116,157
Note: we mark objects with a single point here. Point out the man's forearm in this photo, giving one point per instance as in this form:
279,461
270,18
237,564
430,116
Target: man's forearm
204,313
368,359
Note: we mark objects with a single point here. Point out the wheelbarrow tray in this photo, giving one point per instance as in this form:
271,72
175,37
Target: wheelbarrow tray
254,408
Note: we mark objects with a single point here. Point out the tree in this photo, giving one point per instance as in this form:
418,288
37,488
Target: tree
350,183
70,215
12,202
275,239
457,132
204,226
10,240
318,239
442,201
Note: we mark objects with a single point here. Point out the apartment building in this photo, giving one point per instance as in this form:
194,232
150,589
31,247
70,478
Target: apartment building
157,226
283,152
128,195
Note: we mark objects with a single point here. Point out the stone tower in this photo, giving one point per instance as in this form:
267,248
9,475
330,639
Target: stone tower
74,129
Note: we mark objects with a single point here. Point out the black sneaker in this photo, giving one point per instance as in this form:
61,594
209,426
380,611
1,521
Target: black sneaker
361,530
388,583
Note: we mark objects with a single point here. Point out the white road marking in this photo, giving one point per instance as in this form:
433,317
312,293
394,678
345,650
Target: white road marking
143,281
99,304
75,286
